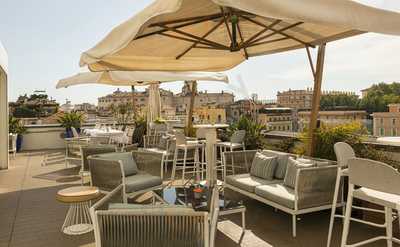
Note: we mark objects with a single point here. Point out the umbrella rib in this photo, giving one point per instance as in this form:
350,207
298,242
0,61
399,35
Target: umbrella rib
196,20
247,42
184,39
226,24
246,54
195,43
280,31
204,40
268,41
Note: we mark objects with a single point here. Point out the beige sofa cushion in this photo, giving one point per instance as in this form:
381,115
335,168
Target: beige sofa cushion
277,193
291,171
247,182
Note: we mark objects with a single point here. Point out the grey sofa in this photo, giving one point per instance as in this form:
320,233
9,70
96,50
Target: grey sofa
313,190
110,170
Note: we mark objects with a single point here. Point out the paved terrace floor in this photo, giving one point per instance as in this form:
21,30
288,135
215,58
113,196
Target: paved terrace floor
30,215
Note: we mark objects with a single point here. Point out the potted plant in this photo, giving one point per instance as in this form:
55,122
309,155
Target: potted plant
69,120
16,127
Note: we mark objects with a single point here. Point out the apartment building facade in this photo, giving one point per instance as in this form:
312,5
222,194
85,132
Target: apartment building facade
387,123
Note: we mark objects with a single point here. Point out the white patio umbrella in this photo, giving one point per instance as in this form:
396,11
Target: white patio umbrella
216,35
138,78
3,108
141,78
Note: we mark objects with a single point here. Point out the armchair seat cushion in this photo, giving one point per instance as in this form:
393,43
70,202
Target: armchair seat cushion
247,182
277,193
141,181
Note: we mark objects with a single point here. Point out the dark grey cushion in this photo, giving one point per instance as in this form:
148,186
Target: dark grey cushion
282,159
128,163
277,193
247,182
291,171
141,181
263,166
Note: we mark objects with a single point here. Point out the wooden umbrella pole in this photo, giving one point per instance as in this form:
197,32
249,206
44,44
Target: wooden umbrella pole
193,91
133,101
316,99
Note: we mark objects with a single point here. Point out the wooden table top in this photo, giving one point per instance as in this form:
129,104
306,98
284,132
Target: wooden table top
78,194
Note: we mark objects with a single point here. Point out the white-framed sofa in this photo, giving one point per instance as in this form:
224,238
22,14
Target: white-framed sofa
313,190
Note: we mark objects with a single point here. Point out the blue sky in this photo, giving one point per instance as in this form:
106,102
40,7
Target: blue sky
44,40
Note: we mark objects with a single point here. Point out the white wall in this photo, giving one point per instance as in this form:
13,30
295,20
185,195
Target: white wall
43,137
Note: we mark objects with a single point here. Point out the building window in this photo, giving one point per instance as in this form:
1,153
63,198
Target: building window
382,132
394,121
394,132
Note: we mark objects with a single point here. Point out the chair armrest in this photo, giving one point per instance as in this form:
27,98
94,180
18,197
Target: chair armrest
130,147
115,196
143,157
316,179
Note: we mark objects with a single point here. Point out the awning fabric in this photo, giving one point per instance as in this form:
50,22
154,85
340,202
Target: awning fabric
192,35
138,78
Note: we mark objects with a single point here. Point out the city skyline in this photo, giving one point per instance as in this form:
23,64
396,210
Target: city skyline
52,46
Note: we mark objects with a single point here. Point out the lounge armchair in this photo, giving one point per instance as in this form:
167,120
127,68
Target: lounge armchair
107,171
312,186
87,151
119,224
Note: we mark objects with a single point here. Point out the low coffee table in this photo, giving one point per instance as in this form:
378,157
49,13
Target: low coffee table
78,219
178,195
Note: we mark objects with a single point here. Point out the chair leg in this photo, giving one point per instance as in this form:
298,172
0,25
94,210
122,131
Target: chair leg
184,164
174,165
233,167
333,211
346,224
162,166
389,226
294,222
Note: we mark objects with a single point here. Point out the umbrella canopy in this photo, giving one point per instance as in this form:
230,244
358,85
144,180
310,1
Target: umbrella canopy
138,78
154,105
3,108
216,35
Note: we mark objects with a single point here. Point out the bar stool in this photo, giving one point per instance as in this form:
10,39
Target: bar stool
383,188
343,152
181,144
236,142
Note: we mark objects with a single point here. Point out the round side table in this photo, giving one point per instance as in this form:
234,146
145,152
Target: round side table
78,219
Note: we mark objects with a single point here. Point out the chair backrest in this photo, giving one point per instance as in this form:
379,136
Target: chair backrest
238,136
98,140
343,152
374,175
92,150
214,212
180,138
74,132
151,226
105,174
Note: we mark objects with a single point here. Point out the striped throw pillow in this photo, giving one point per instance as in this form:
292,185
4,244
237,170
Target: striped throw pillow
263,166
291,171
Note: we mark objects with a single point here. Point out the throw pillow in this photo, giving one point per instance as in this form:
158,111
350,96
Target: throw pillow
282,159
291,172
263,166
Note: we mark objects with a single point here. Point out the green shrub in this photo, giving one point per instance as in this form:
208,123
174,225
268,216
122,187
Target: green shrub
72,119
253,139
